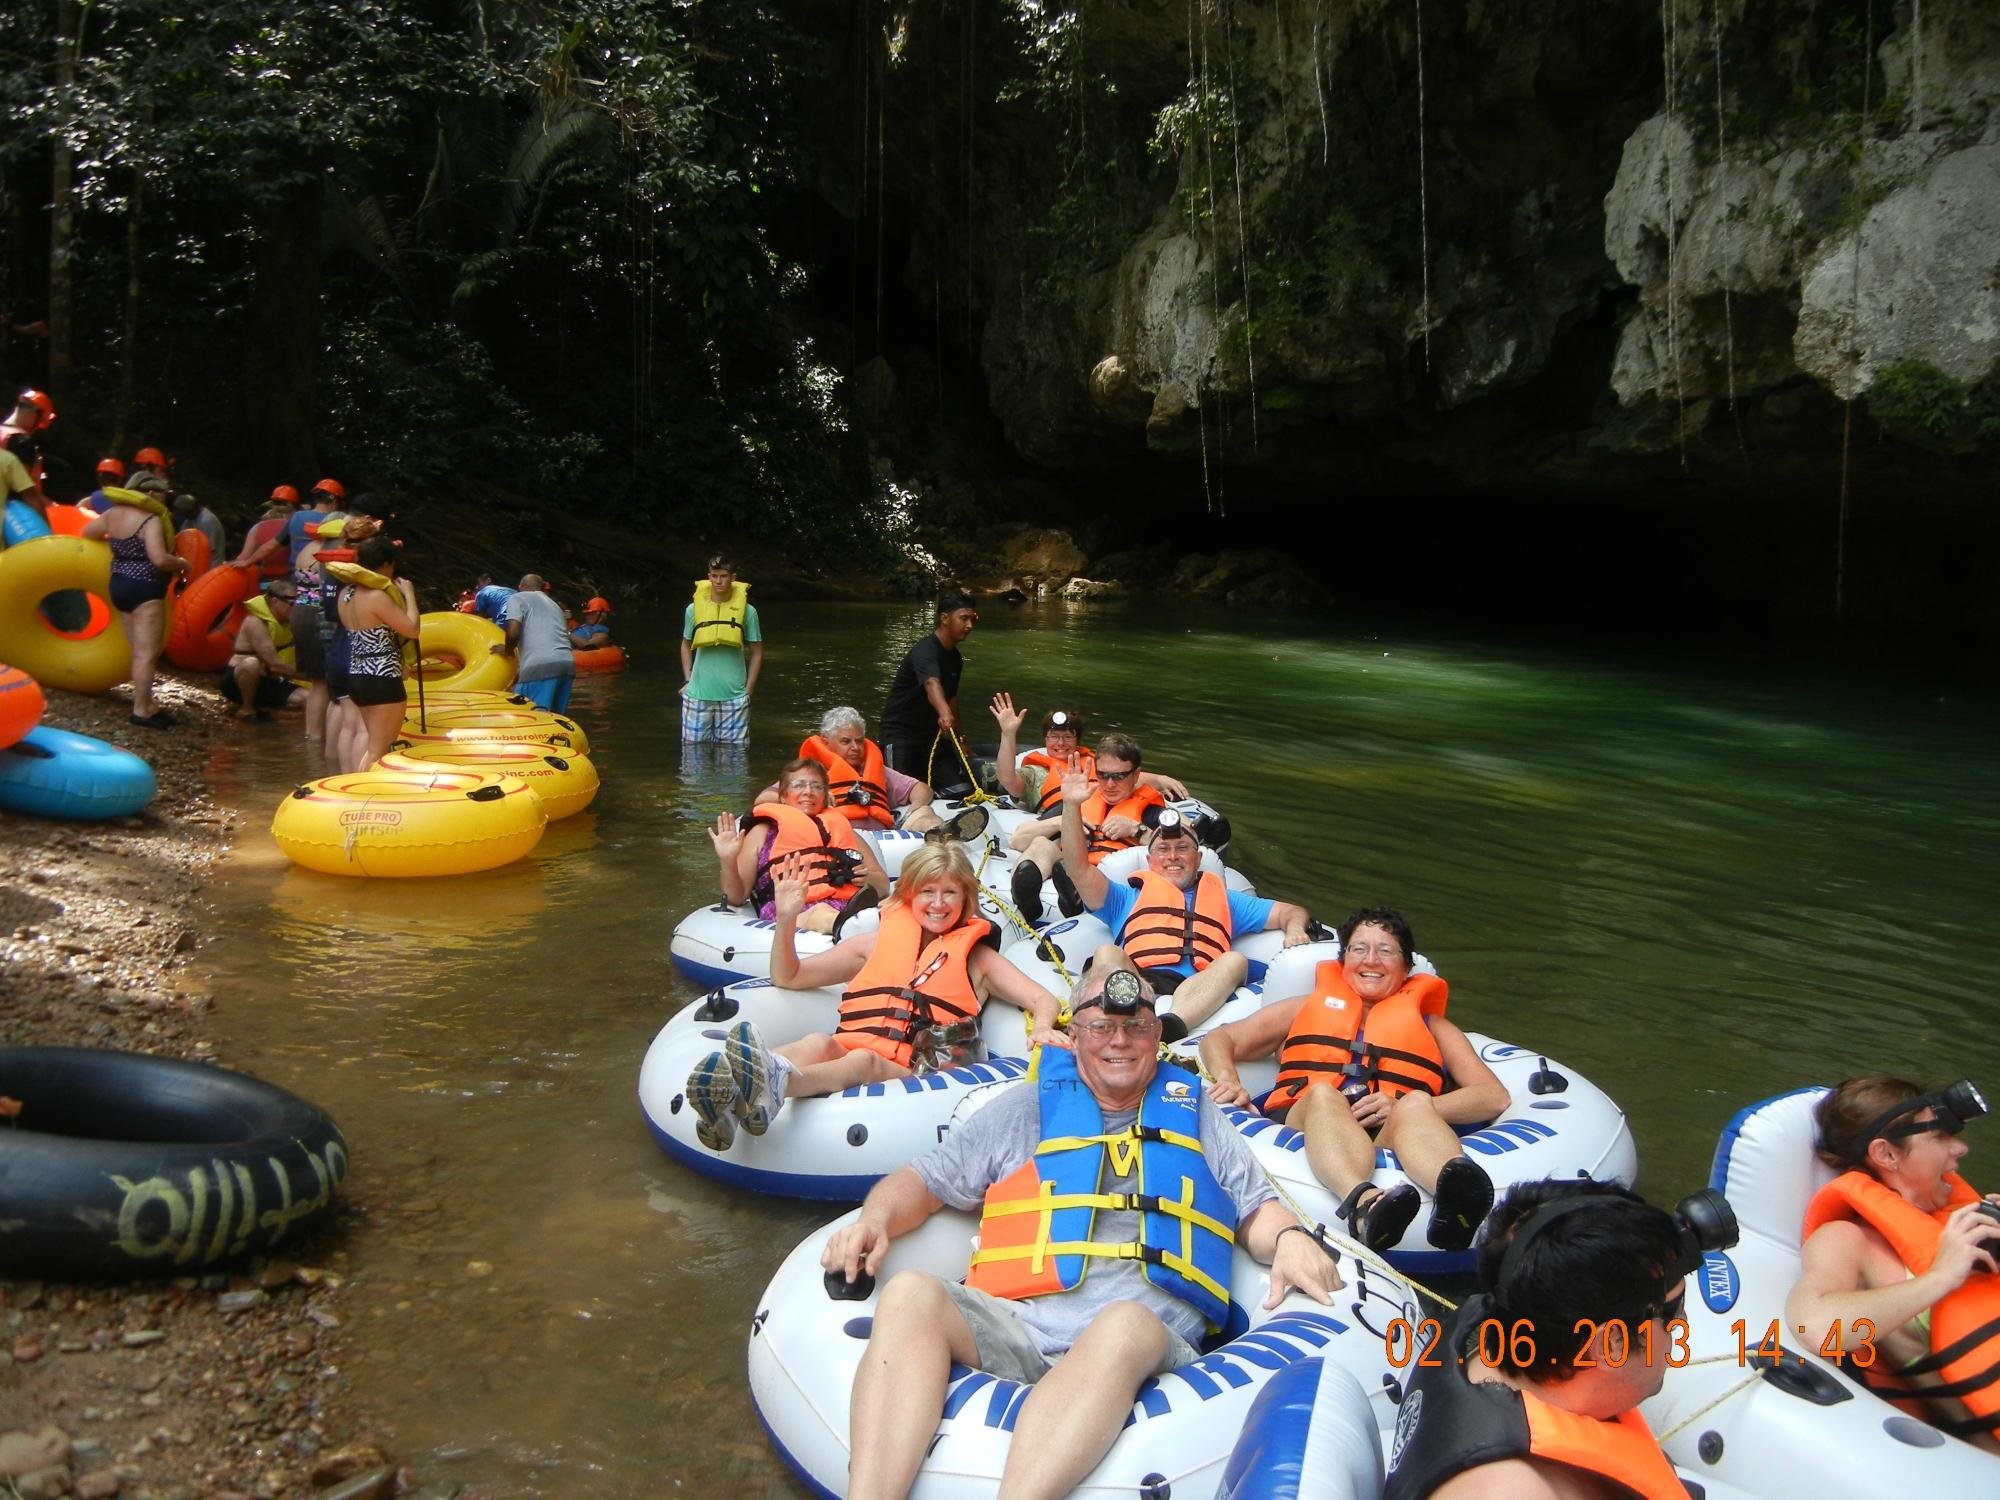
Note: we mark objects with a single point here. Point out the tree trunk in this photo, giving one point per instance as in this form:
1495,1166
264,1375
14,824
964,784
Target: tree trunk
62,217
280,357
128,343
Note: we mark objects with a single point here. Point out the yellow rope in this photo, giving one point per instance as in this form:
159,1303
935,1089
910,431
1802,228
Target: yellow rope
1695,1416
977,794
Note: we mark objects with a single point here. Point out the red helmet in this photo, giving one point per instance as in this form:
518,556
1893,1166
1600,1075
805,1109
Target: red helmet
149,458
112,467
285,494
592,605
331,487
41,402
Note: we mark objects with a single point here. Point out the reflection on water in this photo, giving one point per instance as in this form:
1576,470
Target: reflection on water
1698,889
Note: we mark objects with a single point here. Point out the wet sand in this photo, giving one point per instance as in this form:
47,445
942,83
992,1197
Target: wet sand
198,1388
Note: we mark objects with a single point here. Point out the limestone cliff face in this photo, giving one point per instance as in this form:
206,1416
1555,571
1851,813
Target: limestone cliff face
1557,241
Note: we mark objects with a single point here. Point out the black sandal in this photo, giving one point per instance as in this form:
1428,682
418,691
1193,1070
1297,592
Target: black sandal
1380,1224
1463,1199
159,718
862,899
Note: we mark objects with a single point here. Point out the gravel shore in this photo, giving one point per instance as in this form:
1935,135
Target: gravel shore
197,1388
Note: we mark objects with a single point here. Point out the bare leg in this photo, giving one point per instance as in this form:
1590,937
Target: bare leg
1072,1416
316,701
382,720
1337,1148
1041,850
921,818
819,917
142,628
1203,995
248,672
918,1335
821,1066
1422,1141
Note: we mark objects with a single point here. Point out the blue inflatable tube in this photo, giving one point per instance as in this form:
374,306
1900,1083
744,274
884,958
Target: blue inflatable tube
55,774
22,524
1309,1436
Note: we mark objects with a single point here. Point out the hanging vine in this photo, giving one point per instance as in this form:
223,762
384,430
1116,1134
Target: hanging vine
1242,232
1853,321
1670,62
1423,192
1721,167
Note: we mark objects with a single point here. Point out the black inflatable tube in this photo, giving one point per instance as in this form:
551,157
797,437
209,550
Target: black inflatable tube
121,1165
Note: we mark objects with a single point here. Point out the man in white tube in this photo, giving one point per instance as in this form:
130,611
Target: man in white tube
1087,1329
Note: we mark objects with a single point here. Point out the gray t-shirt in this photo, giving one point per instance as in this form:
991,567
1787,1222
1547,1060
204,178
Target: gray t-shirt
1002,1136
544,649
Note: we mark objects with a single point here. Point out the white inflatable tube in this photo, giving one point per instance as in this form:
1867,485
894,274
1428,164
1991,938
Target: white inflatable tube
835,1147
1803,1428
1310,1435
805,1347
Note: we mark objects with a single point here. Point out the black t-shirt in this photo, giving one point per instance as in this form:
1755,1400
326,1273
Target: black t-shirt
907,714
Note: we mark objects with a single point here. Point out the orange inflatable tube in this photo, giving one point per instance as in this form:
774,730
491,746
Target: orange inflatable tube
21,704
207,615
600,659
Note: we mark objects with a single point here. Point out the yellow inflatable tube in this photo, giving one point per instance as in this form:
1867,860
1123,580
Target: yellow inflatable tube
29,572
436,821
565,780
477,721
465,643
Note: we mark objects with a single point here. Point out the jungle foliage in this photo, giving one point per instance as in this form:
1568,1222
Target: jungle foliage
519,252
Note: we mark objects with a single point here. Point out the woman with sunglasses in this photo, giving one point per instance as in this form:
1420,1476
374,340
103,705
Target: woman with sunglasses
914,987
1900,1253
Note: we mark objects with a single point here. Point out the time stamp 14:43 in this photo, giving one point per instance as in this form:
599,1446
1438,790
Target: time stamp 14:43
1513,1344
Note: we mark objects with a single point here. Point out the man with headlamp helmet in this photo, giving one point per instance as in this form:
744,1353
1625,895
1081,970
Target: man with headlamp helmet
1104,1122
1173,922
1522,1404
1902,1241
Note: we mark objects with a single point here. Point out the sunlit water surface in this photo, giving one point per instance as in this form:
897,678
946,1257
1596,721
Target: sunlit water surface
1697,885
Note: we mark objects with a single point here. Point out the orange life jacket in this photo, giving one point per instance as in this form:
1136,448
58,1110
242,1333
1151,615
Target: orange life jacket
1094,811
1449,1426
1084,761
912,983
1391,1048
858,796
1162,931
1965,1324
825,838
1621,1448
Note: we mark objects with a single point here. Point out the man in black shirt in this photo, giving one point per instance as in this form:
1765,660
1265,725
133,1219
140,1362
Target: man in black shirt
923,697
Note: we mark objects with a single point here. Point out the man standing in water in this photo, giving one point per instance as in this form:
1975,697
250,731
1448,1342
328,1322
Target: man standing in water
722,650
538,640
923,696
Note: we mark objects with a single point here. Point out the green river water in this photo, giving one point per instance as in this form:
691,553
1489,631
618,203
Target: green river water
1696,883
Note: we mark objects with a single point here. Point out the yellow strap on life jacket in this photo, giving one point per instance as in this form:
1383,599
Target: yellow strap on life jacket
1042,1251
1127,1202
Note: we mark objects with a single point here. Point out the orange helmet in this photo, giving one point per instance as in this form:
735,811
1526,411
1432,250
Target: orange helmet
285,494
112,467
149,458
331,487
599,602
40,401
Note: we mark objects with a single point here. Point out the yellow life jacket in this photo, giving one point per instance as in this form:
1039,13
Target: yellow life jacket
281,633
720,624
